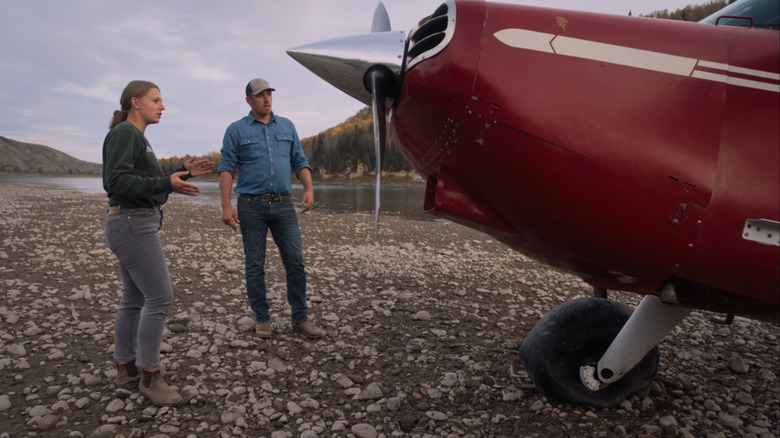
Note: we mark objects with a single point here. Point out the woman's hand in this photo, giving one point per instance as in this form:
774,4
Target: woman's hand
198,166
183,187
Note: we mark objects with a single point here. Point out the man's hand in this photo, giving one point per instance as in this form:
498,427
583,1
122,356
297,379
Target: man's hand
308,201
183,187
230,217
304,176
198,166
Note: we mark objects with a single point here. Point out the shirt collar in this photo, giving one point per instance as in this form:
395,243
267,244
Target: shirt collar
251,119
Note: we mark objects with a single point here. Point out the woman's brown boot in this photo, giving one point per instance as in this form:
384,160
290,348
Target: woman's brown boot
157,391
127,375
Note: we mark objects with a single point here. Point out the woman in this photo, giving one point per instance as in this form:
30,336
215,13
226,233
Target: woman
136,188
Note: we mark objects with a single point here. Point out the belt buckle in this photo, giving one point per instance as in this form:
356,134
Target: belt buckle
271,197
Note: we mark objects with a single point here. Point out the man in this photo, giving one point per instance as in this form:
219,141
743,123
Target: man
264,148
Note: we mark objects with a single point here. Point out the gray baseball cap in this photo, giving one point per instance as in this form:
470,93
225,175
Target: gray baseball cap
257,86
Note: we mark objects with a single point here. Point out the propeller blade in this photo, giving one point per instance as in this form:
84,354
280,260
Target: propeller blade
381,21
379,81
367,68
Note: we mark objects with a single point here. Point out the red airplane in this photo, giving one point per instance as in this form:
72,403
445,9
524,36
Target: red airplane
638,154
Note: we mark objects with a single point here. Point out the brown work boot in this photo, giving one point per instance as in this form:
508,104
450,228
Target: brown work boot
308,329
127,375
264,330
157,391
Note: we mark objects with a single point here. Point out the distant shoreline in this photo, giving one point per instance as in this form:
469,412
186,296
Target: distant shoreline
397,198
370,180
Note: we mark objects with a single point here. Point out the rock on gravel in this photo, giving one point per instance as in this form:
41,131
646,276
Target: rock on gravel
424,323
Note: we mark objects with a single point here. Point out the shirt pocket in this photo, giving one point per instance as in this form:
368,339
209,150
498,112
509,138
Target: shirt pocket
284,144
251,149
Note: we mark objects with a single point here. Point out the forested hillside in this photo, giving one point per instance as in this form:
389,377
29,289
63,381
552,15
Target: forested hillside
691,12
349,148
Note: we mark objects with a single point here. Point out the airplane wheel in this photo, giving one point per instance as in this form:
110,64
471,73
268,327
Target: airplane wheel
578,333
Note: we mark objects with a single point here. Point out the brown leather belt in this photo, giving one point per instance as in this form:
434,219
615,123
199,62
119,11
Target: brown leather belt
267,197
116,208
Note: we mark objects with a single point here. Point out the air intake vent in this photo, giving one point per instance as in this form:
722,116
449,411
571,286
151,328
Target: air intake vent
431,35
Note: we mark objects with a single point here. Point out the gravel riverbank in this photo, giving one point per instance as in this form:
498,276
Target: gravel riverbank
423,323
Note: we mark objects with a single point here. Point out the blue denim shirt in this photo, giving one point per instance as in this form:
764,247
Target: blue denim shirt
264,155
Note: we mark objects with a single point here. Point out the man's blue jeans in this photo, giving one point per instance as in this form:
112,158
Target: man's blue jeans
256,218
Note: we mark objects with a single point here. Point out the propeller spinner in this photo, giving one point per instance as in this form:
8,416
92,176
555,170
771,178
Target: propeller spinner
368,68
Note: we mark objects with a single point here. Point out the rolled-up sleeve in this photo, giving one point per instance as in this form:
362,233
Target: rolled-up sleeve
228,161
298,159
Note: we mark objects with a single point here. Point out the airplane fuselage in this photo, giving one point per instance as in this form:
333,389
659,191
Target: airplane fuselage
631,152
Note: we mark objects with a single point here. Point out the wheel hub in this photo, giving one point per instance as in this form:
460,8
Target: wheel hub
589,378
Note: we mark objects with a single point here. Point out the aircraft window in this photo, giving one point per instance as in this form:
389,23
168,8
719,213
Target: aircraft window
765,14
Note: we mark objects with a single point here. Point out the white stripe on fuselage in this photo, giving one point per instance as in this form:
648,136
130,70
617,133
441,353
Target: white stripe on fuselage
637,58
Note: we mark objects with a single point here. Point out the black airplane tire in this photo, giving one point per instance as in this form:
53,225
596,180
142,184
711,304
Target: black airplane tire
576,333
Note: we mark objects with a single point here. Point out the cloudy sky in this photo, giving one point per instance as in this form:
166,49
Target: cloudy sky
63,64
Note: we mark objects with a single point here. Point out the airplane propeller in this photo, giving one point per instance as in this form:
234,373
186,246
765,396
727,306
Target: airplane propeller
379,80
366,67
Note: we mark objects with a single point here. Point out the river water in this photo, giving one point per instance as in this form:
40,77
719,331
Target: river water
397,200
